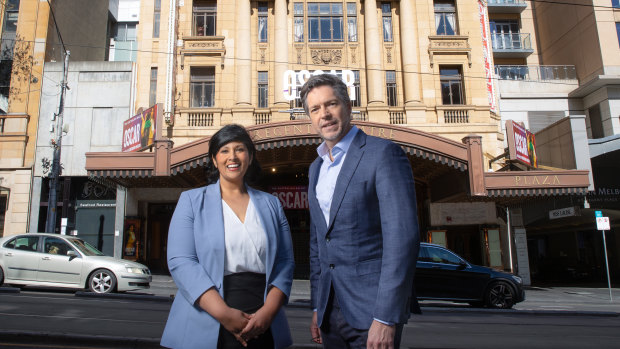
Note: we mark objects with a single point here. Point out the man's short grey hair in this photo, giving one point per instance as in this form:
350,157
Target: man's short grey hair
340,89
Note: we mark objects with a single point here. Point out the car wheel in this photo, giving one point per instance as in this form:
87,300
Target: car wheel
1,276
102,281
500,295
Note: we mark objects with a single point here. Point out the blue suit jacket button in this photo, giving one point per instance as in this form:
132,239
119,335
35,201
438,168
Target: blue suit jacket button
331,266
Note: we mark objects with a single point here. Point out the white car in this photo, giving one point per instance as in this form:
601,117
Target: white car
66,261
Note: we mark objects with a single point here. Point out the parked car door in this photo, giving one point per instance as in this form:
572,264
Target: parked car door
21,258
447,276
57,266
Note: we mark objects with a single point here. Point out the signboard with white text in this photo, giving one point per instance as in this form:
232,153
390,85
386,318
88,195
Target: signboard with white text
292,81
292,197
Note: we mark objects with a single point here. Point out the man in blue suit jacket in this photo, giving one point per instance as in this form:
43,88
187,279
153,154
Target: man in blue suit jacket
364,235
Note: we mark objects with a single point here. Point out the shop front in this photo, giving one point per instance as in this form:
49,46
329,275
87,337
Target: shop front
449,178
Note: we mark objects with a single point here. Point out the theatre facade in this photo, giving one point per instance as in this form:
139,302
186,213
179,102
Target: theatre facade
420,74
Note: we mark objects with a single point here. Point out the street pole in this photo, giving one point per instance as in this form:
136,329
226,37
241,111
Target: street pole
607,266
50,224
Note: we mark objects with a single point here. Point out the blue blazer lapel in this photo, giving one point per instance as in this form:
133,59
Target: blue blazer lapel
312,200
267,221
354,154
213,227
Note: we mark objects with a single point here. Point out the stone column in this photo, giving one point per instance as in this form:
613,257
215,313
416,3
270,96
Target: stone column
374,58
475,164
409,49
243,49
280,49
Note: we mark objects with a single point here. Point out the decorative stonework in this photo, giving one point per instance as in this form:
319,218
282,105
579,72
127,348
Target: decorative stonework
299,49
388,51
353,55
326,56
448,44
262,56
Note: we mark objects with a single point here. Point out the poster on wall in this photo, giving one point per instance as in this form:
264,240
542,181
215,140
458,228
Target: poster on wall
131,238
521,144
139,130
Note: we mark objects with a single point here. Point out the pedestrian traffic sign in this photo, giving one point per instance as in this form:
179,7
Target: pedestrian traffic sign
598,214
602,223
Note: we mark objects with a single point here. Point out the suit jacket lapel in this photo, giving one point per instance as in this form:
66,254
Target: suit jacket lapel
353,156
313,201
266,220
213,229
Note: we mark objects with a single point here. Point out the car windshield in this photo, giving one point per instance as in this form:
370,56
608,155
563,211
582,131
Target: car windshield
85,247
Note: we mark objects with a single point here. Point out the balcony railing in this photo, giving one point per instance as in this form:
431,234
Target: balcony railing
456,116
511,45
506,6
200,119
512,41
398,117
262,118
536,73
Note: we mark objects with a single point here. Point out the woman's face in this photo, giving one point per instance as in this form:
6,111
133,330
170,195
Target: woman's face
232,161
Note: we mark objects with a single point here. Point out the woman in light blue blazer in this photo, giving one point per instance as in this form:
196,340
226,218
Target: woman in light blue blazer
231,256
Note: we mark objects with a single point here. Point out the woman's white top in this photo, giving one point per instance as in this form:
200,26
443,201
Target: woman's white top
246,242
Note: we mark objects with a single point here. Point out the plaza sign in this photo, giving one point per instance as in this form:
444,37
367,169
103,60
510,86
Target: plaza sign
292,81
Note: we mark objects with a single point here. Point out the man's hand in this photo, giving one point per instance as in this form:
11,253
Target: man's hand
315,332
380,336
234,322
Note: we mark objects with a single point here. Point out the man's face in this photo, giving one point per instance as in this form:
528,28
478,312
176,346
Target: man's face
330,118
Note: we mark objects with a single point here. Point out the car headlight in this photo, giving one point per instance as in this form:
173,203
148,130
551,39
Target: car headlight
517,279
135,270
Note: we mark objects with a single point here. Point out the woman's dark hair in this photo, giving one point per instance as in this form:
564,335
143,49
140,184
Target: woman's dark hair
227,134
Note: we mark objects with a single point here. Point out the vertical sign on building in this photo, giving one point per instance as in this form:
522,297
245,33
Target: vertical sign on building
487,55
522,256
521,144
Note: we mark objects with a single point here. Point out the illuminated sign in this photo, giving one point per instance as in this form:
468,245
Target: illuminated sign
292,81
521,144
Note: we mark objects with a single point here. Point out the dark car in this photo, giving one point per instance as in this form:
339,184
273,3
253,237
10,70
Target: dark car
442,275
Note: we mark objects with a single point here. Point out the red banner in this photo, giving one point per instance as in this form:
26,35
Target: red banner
291,197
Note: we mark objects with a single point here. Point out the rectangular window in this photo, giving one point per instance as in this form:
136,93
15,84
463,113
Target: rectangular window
263,89
390,81
445,17
262,21
153,87
505,34
156,18
325,21
615,3
205,14
9,30
386,10
356,85
352,21
618,31
298,11
451,85
202,87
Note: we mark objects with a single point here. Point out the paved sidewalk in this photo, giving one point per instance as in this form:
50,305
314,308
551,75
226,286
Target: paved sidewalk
537,299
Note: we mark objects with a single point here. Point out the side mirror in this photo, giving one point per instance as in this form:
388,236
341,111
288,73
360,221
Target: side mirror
71,254
462,265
